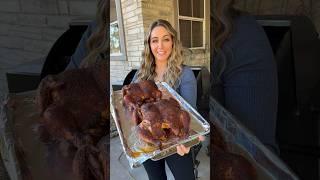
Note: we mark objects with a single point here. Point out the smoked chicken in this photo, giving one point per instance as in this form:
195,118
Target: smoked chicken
174,118
228,165
162,120
231,166
73,108
150,129
135,94
157,120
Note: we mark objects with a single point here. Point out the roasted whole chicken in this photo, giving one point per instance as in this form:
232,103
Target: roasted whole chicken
73,107
174,118
135,94
162,120
156,119
228,165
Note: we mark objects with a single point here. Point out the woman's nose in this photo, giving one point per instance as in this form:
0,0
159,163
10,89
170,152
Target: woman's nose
160,44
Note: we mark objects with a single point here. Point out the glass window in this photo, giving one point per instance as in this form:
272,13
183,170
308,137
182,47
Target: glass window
117,46
114,38
185,37
191,23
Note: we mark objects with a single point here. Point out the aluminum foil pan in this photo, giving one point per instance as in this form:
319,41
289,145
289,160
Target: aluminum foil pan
135,149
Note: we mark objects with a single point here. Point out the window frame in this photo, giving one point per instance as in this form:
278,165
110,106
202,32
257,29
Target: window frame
194,19
122,55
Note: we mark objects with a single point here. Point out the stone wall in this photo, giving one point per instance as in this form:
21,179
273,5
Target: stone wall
29,28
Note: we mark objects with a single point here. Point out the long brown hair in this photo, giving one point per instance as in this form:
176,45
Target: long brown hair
97,44
222,15
148,65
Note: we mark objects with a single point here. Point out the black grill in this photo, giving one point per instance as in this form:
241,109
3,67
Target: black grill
296,46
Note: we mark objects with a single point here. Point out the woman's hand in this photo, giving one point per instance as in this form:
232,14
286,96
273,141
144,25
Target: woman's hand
182,150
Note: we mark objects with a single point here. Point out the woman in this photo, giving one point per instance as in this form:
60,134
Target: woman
93,45
162,61
243,70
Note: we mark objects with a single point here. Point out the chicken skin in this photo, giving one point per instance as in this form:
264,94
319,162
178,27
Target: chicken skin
161,120
150,129
135,94
228,165
73,110
157,119
173,117
70,102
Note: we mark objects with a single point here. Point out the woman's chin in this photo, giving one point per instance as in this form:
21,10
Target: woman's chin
162,59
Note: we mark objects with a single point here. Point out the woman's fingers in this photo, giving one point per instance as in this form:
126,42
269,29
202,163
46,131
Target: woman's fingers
179,150
201,138
185,149
182,150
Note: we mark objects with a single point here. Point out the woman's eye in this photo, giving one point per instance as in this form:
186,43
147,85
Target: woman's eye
154,41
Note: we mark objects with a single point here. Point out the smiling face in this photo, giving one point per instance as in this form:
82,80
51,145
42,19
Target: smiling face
161,44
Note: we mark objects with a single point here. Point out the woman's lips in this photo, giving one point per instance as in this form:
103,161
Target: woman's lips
161,53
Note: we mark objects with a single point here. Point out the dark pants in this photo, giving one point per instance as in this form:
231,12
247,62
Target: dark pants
180,166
